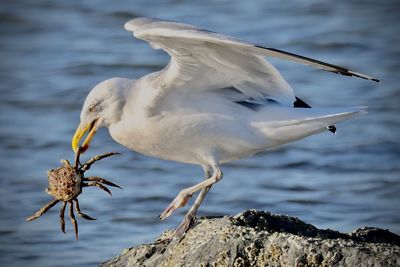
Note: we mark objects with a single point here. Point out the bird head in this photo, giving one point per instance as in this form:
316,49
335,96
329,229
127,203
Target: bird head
102,107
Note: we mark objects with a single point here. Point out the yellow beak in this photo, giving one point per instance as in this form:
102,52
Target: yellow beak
80,132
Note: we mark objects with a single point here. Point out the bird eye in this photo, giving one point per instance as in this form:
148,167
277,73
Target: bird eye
92,108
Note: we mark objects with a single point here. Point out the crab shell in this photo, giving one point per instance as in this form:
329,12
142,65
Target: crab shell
64,182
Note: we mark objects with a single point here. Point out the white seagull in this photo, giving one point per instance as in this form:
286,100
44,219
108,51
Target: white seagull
216,101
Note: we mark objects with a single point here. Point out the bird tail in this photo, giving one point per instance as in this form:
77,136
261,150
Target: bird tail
283,125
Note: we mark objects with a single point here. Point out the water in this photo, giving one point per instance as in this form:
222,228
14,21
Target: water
53,53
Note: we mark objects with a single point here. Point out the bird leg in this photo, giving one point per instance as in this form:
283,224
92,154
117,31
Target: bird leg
86,166
73,220
182,198
62,221
96,184
191,214
81,214
43,210
101,180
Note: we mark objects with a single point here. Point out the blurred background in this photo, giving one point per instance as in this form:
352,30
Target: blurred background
53,52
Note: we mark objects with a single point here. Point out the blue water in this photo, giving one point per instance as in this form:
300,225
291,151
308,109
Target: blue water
53,52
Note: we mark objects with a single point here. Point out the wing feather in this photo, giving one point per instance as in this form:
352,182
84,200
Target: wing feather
146,27
205,60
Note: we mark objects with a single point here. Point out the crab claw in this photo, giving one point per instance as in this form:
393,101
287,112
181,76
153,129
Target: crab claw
98,185
80,213
102,180
85,216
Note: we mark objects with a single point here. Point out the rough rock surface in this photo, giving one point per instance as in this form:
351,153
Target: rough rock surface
258,238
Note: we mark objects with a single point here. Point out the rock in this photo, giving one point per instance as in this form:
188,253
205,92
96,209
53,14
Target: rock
258,238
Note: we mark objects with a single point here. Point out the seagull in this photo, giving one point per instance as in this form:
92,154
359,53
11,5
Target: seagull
217,100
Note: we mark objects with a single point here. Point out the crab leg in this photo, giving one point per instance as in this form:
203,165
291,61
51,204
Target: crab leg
73,220
43,210
102,187
77,154
101,180
86,166
81,214
62,221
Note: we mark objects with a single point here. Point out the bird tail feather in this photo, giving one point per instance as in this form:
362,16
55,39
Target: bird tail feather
283,125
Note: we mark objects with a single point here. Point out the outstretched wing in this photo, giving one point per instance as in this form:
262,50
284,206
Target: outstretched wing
205,60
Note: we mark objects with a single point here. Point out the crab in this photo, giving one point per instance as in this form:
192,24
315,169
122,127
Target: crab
65,185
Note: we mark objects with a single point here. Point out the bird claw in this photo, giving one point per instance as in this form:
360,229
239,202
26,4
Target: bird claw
180,201
184,226
180,231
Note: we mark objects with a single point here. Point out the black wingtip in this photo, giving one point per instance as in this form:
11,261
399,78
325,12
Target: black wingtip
326,66
350,73
367,78
300,103
331,128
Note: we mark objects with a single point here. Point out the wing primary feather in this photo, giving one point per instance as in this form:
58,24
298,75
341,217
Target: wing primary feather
326,66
